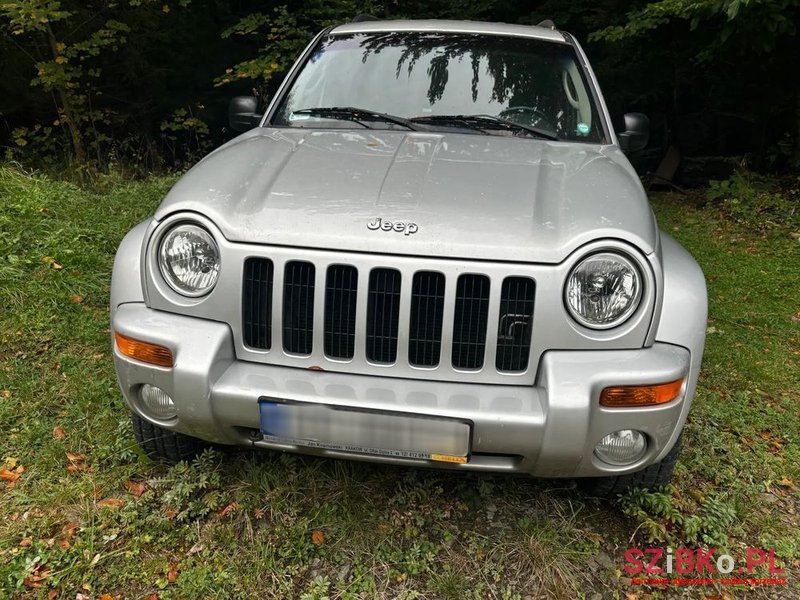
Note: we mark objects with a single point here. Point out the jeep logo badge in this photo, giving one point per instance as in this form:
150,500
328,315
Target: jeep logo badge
398,226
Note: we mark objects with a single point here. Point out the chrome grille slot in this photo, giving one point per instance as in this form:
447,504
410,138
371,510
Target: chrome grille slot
298,307
383,315
470,321
515,324
425,326
257,303
341,288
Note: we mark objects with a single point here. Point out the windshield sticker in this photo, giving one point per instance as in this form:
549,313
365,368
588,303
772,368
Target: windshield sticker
583,129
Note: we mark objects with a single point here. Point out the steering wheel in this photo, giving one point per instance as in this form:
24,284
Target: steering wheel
533,116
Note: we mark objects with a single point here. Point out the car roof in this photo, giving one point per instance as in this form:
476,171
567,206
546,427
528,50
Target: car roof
477,27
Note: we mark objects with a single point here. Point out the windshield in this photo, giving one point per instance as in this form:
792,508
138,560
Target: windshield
430,76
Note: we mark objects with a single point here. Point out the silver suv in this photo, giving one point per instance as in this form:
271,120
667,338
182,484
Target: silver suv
429,249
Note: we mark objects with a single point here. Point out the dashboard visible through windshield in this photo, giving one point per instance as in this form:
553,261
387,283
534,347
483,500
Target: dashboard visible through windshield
474,83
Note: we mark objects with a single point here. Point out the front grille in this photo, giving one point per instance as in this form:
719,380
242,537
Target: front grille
383,315
298,307
352,315
257,305
515,324
425,327
469,323
341,286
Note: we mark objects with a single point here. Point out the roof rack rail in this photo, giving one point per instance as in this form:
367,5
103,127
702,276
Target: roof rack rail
548,23
364,18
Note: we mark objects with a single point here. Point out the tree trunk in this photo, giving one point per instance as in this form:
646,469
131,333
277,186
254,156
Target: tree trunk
66,106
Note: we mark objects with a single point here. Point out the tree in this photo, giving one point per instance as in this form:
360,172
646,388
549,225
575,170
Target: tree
758,38
63,43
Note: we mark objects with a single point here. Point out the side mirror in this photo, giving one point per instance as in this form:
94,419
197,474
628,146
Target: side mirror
243,113
636,134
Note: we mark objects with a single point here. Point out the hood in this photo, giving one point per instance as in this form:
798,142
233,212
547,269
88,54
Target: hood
425,194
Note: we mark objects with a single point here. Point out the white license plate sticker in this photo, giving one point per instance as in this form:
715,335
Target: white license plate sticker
375,433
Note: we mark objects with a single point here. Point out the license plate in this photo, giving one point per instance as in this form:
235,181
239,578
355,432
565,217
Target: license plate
376,433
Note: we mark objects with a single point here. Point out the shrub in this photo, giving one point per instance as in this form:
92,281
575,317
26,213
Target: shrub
752,201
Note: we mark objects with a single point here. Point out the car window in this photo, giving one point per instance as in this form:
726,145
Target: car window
421,74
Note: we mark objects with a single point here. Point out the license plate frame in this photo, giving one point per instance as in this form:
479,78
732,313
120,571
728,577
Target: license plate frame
354,430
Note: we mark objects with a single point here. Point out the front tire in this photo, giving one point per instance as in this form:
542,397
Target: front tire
649,478
163,445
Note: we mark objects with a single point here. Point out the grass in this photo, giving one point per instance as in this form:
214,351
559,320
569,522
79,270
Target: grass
88,516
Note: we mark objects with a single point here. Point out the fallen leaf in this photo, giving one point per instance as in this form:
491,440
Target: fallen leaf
198,547
786,482
228,508
95,560
51,595
111,503
76,298
35,578
106,597
137,489
6,393
317,537
69,528
64,544
7,475
11,462
171,513
25,542
76,463
59,433
172,574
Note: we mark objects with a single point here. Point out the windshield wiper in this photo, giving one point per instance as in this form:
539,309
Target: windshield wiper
486,121
357,115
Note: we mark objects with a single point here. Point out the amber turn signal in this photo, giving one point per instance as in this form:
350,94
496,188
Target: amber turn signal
144,351
641,395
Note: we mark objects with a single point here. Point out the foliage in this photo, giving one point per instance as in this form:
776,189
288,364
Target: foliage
186,136
91,82
763,22
283,40
72,51
756,202
660,520
64,65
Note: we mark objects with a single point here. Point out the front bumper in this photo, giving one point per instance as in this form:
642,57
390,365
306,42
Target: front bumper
546,430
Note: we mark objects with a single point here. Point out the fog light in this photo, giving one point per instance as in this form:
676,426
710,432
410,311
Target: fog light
157,403
622,447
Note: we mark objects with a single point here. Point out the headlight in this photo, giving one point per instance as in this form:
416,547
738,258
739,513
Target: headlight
189,260
603,290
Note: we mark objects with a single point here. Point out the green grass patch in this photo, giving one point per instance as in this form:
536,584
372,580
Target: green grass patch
88,514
